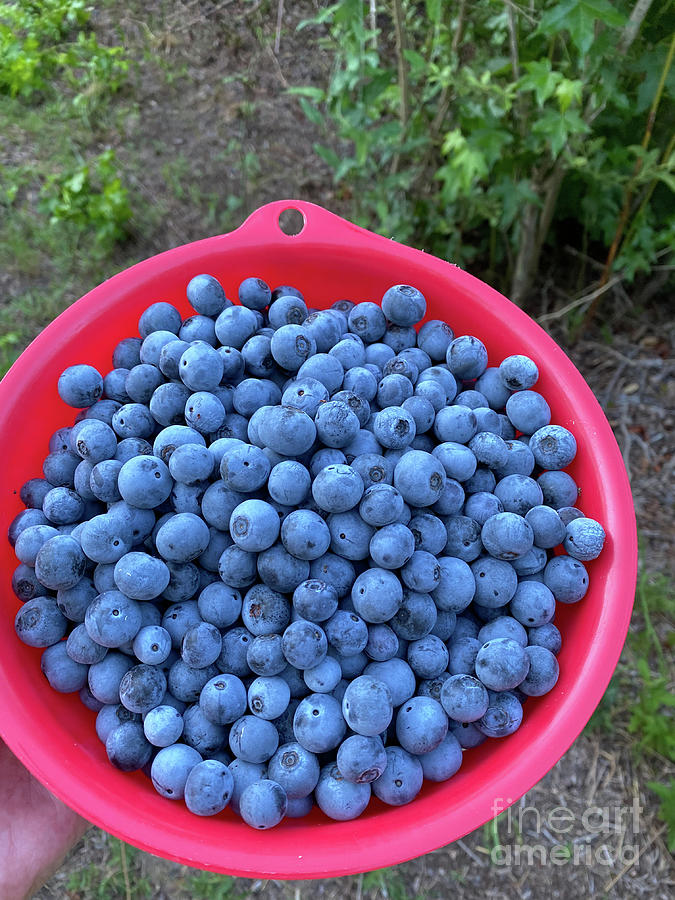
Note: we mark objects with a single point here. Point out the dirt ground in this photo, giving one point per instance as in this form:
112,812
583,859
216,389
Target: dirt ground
206,134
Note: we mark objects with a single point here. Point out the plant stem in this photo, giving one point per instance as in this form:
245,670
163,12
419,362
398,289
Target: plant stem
628,192
632,26
403,84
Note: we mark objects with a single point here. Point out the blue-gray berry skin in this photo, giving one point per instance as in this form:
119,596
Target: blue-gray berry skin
464,698
208,788
80,386
40,623
367,706
404,305
254,293
401,780
252,739
567,579
584,539
60,563
206,295
543,673
553,447
305,535
170,770
501,664
339,798
503,715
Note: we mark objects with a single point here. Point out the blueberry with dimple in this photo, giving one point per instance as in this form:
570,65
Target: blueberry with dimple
223,699
208,788
346,632
305,535
304,644
519,373
295,768
112,619
318,723
401,780
533,604
420,478
394,427
254,293
553,447
40,623
268,697
584,539
144,482
507,536
567,578
403,304
252,739
152,644
503,715
80,386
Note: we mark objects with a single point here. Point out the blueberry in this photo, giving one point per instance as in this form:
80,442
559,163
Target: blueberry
170,770
584,539
502,717
394,427
324,677
507,536
566,578
464,698
518,373
428,656
254,293
40,623
367,706
339,798
295,768
546,636
223,699
392,546
80,386
289,482
528,411
501,664
402,778
420,478
182,538
305,535
416,616
403,305
60,563
553,447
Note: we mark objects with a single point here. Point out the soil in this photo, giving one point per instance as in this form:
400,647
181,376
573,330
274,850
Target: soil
208,134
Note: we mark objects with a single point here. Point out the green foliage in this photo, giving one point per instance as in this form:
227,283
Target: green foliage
92,197
41,41
386,882
211,886
498,105
117,878
667,807
651,720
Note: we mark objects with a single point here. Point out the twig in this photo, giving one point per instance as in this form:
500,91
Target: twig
280,18
281,75
632,26
125,870
628,195
469,852
610,884
372,20
403,85
513,42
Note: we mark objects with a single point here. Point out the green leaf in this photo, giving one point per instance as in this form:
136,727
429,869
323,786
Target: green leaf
540,79
666,792
567,91
312,93
578,17
551,126
668,178
417,62
311,112
434,9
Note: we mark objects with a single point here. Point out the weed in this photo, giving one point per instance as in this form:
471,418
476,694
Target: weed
666,792
118,877
387,882
460,123
211,886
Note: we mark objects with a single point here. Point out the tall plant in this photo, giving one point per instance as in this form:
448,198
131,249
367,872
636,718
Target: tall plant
473,129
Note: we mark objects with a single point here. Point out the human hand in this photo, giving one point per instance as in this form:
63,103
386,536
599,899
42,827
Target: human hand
36,829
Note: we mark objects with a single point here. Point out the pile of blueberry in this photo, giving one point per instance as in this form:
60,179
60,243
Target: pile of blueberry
295,557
